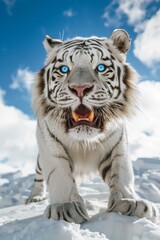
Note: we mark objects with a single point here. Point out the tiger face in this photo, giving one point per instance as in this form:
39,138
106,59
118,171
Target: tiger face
86,84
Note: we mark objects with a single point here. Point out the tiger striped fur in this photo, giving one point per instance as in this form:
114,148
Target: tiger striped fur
81,99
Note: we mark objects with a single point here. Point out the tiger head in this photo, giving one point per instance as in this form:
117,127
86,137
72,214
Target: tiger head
85,85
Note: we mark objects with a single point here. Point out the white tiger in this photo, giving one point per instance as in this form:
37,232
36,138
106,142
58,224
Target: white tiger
81,99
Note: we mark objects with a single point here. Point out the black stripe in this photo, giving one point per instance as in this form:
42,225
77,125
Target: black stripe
72,45
48,71
49,212
69,215
92,55
105,158
82,43
129,212
113,176
54,137
110,70
119,72
79,210
48,84
106,58
96,41
109,155
99,92
53,78
71,59
119,82
57,60
109,83
111,206
63,55
38,172
118,155
60,156
53,61
105,170
108,49
58,215
64,217
136,203
100,50
50,175
56,71
38,168
38,165
38,180
113,58
111,79
54,88
73,42
145,209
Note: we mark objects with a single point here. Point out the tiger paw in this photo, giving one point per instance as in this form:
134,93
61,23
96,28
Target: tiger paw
128,206
35,199
146,209
37,194
69,211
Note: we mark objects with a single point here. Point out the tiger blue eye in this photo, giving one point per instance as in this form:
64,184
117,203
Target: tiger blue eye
101,68
64,69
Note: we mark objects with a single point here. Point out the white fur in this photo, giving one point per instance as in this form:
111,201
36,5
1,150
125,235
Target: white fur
64,155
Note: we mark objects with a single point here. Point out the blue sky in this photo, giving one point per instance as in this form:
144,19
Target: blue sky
24,24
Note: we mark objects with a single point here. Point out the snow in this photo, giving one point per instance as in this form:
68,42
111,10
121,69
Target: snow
19,221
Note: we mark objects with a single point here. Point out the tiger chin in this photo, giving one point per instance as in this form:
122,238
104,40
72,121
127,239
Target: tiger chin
81,98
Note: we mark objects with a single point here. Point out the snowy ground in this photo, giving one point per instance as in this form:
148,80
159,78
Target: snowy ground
18,221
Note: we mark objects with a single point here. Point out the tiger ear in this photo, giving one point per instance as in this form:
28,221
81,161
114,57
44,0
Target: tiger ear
50,43
121,40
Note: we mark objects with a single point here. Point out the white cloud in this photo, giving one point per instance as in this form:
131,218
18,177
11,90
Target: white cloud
9,4
147,43
17,139
145,129
68,13
145,20
135,10
2,94
23,79
110,15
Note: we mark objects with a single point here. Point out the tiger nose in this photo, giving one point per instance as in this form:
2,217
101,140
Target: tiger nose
81,91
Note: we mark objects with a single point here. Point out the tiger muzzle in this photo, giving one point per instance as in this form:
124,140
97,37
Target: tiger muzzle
84,116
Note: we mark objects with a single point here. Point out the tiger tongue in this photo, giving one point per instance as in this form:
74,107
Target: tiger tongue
83,113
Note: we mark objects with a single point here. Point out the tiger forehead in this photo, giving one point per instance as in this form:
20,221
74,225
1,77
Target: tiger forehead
94,48
84,42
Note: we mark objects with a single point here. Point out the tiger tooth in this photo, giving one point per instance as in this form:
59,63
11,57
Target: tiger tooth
75,116
78,118
91,116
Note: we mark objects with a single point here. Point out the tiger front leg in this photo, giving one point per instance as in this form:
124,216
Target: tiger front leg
122,198
65,202
118,174
38,192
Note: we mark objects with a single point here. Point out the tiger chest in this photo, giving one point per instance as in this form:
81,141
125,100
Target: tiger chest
87,160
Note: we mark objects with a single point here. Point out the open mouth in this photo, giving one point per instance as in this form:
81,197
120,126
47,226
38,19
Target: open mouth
84,116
